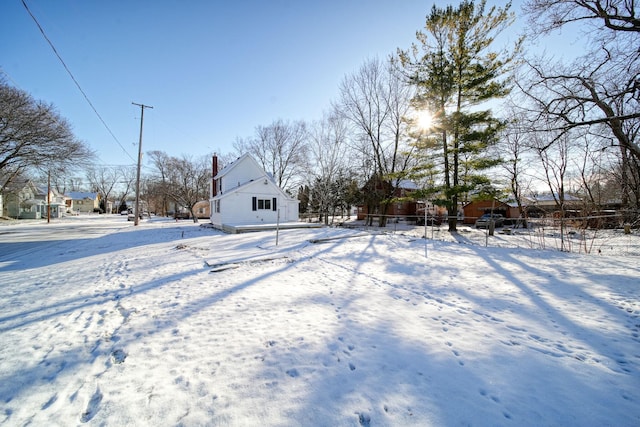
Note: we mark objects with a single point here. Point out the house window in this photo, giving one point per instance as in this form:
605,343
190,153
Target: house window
263,204
217,206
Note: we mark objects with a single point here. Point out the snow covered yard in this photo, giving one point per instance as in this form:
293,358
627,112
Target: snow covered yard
124,325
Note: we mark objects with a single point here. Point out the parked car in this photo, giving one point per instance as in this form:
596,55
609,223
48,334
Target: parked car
182,215
485,220
132,217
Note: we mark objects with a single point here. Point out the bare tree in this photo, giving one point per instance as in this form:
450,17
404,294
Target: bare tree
555,162
127,181
104,180
604,181
375,100
328,161
516,152
599,93
33,136
63,183
188,181
589,162
159,181
616,15
281,149
577,96
622,184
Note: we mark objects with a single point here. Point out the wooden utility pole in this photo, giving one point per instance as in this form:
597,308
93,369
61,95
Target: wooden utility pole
49,197
136,211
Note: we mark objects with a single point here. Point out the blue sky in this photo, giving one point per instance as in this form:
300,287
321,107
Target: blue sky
212,70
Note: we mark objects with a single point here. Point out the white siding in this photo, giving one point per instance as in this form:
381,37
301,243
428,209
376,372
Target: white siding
240,183
244,171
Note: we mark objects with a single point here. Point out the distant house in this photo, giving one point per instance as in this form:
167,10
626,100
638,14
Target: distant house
56,201
23,199
20,200
202,209
542,205
476,209
402,207
83,202
244,194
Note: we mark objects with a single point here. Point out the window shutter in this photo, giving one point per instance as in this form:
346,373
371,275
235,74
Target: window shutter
254,203
274,204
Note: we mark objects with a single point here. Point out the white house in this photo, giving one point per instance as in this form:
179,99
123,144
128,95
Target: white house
83,201
26,200
244,194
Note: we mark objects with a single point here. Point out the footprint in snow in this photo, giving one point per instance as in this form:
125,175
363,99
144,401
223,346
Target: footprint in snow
484,393
49,402
92,407
457,354
118,356
364,419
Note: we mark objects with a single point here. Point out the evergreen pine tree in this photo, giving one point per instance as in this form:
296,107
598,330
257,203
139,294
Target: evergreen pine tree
456,74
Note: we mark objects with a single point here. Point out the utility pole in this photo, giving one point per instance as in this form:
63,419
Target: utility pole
136,211
49,197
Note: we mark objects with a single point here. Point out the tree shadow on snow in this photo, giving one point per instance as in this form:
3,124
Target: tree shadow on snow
15,256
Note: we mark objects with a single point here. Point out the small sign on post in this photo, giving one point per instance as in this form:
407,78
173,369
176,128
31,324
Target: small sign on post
278,227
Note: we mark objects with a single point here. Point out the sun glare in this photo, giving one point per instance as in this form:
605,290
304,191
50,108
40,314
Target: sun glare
424,120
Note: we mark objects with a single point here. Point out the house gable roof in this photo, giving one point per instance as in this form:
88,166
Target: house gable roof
498,203
403,184
43,190
18,185
407,184
255,182
81,195
246,157
548,200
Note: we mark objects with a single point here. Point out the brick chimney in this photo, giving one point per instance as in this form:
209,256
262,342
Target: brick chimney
214,171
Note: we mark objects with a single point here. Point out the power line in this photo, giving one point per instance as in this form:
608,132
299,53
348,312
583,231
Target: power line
9,77
74,79
16,85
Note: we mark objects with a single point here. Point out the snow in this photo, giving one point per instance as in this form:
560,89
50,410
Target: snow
105,323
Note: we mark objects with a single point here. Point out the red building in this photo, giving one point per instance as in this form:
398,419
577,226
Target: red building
474,210
403,206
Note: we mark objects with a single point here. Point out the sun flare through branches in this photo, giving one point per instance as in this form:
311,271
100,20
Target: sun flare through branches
424,120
